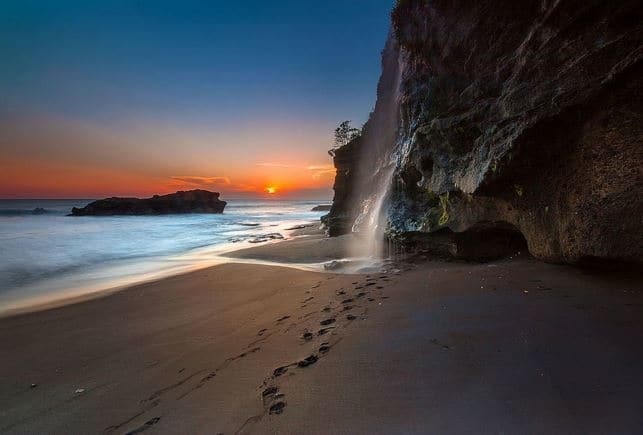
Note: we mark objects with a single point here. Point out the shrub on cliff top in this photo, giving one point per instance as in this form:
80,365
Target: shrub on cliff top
343,135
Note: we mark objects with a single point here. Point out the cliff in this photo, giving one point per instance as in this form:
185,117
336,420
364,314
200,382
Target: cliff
503,124
192,201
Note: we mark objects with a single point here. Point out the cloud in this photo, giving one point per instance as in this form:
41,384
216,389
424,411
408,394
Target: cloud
316,170
202,181
276,165
179,182
320,170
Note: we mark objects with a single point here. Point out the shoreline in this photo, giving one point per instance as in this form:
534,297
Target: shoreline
222,255
251,348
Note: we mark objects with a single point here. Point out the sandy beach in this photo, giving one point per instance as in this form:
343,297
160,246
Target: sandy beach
514,346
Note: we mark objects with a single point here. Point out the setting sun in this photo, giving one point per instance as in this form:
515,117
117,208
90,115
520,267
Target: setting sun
271,190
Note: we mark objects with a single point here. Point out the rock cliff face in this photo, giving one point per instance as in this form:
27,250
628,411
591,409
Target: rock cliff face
505,123
193,201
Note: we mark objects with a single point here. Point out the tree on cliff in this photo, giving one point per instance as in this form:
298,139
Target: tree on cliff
343,135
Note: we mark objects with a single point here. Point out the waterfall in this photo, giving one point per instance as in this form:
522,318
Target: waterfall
377,160
370,225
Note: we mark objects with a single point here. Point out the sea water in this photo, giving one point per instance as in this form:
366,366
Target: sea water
50,256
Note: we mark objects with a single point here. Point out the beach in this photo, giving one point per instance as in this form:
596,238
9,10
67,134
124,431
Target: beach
513,346
363,217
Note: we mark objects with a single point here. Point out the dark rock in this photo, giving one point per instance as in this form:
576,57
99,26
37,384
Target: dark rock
266,237
321,208
299,227
515,125
340,219
38,210
193,201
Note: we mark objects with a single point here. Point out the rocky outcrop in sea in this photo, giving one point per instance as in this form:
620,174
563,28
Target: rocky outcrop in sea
192,201
500,126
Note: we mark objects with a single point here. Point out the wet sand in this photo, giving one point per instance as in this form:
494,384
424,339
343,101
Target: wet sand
513,346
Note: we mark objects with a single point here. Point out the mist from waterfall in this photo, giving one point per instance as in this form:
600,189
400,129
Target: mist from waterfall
377,163
370,225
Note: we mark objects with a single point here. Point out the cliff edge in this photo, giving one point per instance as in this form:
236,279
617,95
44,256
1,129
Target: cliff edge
504,124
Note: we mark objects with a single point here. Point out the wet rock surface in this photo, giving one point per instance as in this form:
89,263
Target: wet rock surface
193,201
516,126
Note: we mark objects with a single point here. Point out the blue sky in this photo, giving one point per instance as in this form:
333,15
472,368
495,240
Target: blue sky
201,70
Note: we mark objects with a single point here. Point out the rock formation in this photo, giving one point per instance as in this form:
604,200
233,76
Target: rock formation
193,201
321,207
505,124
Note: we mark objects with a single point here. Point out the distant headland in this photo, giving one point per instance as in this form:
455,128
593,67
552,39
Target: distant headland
192,201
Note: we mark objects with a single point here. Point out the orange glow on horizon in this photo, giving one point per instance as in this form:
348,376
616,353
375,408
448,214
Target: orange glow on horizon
45,157
40,178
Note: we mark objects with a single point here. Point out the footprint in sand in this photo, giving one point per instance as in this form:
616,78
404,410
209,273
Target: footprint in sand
277,408
208,376
281,319
347,308
145,426
348,301
309,360
279,371
324,330
307,336
261,332
350,317
360,294
324,348
326,309
270,391
327,322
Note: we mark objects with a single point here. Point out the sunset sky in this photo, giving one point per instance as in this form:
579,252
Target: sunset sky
104,98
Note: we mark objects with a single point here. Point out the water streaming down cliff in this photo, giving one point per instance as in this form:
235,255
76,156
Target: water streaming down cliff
370,223
374,173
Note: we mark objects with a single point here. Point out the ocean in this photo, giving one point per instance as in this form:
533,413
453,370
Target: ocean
51,256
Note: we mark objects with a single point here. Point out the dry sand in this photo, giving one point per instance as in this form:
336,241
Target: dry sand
508,347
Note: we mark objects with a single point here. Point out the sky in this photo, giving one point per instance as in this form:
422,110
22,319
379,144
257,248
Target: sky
141,97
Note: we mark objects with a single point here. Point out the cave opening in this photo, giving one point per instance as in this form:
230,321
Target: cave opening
487,241
483,242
